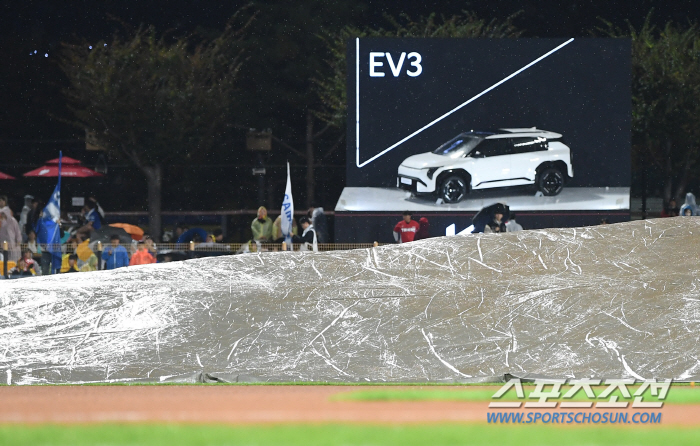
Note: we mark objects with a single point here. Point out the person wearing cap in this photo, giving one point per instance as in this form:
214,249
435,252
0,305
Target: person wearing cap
405,230
262,226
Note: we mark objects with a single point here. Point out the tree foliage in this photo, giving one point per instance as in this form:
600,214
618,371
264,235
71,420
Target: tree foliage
156,99
665,101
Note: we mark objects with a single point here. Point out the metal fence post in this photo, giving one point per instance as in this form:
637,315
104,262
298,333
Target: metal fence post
4,258
99,256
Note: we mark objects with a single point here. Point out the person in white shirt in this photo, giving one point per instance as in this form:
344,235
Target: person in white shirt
512,225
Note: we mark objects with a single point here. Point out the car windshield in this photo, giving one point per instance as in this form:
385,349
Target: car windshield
459,146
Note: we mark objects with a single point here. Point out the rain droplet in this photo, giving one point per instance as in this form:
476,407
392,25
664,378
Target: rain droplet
46,55
34,51
90,47
105,44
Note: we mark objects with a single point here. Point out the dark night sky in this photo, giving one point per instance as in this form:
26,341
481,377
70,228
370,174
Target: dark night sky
29,85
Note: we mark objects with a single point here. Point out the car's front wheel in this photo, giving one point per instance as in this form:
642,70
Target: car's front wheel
453,189
550,181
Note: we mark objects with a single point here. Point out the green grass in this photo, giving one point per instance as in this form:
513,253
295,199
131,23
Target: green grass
311,435
676,395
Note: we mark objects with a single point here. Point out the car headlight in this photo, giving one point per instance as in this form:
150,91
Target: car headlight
431,172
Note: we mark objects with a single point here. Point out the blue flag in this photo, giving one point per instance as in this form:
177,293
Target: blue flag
288,212
48,230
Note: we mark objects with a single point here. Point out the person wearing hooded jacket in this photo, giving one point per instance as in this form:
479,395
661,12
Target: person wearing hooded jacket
10,232
689,205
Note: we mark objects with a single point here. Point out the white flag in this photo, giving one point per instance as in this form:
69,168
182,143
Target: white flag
288,212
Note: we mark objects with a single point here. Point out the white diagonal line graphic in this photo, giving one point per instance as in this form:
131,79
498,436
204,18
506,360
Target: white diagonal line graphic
472,99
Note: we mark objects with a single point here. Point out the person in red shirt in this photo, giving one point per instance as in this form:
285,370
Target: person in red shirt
405,230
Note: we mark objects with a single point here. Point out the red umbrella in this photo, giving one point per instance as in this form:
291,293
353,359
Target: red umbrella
4,176
65,160
70,170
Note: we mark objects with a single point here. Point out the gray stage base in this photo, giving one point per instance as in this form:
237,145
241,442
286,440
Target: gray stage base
392,199
616,301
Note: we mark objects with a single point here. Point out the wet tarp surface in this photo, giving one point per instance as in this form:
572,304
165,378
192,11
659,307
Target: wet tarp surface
607,301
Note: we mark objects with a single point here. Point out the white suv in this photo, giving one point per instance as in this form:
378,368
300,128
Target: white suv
483,160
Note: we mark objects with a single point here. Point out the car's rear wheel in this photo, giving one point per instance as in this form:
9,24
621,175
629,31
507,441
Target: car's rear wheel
453,189
550,181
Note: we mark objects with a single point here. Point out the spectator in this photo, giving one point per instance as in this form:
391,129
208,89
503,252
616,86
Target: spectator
512,225
24,216
218,235
689,204
142,256
670,210
91,221
308,237
100,213
604,221
29,261
3,201
115,255
150,246
72,264
179,230
318,220
277,235
87,260
33,216
496,224
32,244
423,229
9,232
69,248
262,226
405,230
20,270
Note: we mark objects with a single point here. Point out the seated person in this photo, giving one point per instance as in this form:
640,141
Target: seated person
20,270
29,261
72,264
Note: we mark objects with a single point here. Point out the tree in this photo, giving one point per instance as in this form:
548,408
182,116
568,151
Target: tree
153,99
665,101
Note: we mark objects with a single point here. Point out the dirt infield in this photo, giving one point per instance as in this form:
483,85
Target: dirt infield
241,405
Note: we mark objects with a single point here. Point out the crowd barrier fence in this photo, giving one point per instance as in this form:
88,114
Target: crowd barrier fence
180,251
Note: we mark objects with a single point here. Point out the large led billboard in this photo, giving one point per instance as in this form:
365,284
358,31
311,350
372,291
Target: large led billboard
451,124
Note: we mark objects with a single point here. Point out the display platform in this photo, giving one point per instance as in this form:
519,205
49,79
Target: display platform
392,199
368,214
